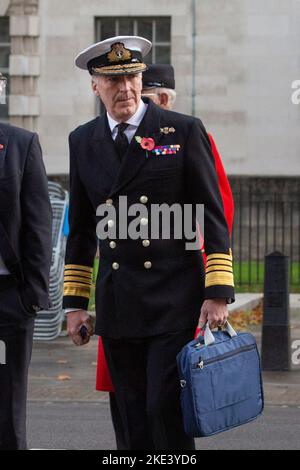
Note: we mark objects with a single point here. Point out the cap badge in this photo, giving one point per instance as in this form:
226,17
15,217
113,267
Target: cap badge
118,52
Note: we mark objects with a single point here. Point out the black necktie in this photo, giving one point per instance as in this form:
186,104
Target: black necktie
121,141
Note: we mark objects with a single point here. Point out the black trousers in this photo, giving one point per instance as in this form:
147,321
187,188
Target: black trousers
116,417
146,408
16,336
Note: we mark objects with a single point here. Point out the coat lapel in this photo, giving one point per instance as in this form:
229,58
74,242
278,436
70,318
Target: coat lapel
3,146
103,148
136,157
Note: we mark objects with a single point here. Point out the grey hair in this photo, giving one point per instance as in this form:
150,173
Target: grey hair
169,91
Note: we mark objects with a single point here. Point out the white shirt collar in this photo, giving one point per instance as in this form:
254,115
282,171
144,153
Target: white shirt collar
135,120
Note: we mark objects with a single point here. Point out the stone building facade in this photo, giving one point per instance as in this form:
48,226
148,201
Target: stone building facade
235,61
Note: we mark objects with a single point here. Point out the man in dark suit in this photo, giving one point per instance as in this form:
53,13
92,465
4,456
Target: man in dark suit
25,257
150,291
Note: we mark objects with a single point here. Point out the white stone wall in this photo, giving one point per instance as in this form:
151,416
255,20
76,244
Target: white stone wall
248,58
4,4
247,55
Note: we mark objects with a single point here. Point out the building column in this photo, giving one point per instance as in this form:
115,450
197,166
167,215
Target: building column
24,64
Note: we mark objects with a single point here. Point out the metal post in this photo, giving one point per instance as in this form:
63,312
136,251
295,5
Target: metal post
276,322
194,36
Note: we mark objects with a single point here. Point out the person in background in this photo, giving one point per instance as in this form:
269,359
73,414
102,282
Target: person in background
25,258
159,86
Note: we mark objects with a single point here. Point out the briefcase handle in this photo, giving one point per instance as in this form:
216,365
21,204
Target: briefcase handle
209,337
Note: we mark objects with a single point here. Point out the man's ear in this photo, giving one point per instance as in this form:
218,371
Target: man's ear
94,87
163,99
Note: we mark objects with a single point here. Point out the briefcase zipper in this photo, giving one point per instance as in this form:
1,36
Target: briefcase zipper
202,363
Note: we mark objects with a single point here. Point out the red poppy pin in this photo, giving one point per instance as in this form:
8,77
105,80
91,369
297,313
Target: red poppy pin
147,143
1,147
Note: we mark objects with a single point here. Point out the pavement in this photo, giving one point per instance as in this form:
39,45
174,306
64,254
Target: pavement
66,412
249,301
245,302
87,426
61,371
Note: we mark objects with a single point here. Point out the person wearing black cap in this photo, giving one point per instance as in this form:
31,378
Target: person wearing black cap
25,258
159,85
149,292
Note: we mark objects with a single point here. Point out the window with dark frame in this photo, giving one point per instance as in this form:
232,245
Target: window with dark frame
156,29
4,61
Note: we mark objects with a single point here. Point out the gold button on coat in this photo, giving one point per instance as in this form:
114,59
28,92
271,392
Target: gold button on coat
147,264
146,243
143,199
115,266
109,202
112,244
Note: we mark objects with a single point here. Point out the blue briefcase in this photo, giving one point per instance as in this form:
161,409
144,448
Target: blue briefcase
221,383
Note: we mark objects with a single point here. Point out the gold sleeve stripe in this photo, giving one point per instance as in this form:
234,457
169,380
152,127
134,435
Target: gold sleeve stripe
78,267
219,256
78,279
218,268
73,272
77,291
77,284
218,262
217,278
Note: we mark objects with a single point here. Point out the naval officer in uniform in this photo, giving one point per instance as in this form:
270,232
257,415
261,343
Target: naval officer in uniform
159,86
150,293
